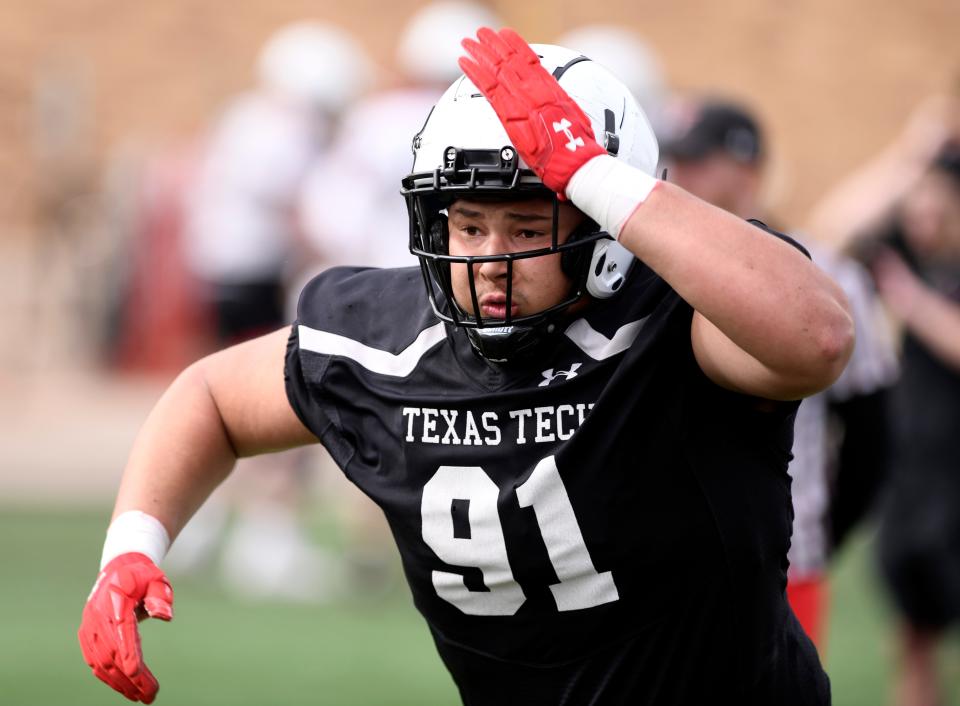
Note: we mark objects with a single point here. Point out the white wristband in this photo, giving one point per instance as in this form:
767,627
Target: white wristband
135,531
609,191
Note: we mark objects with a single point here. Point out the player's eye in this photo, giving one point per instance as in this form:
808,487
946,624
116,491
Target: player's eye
470,230
530,234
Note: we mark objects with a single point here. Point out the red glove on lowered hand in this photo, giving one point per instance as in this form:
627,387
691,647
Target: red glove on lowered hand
129,588
550,131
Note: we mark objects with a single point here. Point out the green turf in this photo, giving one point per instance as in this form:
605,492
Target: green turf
861,649
360,651
858,650
217,650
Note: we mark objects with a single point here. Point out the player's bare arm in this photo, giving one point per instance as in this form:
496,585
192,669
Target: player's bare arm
768,321
226,406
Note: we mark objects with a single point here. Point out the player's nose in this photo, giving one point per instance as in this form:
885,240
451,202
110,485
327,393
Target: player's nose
494,269
495,244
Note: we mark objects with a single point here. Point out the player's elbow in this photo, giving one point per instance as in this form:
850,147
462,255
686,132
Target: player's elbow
836,347
832,344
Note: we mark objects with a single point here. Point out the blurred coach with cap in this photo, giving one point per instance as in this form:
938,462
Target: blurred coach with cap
714,149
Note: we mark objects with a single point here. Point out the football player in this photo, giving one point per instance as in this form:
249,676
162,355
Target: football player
576,413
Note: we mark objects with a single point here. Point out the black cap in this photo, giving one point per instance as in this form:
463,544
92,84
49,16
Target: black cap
694,130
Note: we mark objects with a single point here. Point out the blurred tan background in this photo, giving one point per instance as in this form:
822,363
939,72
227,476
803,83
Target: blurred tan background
832,79
85,83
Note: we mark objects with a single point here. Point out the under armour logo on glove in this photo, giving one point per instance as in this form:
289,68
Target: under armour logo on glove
564,126
527,99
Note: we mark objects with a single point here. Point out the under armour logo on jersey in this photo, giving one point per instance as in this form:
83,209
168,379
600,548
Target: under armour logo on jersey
549,376
564,127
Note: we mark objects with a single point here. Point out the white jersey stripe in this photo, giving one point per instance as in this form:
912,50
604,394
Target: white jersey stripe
598,346
373,359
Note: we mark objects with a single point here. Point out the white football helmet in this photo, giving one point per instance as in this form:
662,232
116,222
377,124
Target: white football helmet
429,43
629,57
464,151
317,64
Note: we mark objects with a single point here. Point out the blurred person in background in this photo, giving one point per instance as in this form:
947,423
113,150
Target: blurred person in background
716,149
242,239
350,208
243,246
900,214
629,56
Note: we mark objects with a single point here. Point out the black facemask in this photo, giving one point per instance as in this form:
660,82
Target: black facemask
489,175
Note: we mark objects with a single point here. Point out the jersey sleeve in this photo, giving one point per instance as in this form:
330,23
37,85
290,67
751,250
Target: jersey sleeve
298,389
304,375
785,238
304,383
353,324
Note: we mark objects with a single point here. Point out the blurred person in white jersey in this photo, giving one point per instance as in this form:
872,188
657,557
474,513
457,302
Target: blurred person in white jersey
243,244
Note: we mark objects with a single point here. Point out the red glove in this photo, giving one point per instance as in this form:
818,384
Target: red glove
550,131
129,588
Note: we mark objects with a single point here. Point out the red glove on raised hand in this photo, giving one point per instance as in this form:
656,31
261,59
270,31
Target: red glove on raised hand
129,588
550,131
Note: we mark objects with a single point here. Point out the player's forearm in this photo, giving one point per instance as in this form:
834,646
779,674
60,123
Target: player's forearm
762,293
180,455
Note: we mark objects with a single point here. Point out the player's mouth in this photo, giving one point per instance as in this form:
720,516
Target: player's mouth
494,306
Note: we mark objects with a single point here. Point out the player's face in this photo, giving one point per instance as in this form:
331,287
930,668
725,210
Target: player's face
498,228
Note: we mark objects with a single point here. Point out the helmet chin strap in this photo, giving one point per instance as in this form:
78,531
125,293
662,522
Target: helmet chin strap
510,344
517,343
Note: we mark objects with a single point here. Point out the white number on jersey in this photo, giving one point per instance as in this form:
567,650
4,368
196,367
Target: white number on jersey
484,547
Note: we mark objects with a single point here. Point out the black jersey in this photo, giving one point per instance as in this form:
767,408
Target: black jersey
602,525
